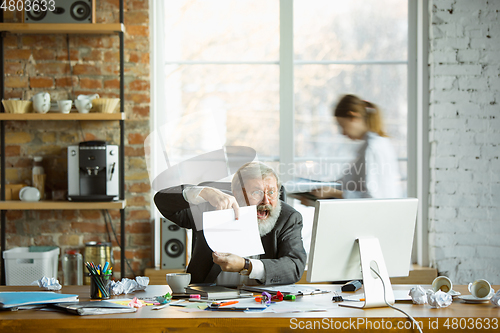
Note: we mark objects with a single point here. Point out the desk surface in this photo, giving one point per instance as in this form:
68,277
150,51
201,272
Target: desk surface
476,316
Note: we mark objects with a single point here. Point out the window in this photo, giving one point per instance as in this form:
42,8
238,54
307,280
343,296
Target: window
224,65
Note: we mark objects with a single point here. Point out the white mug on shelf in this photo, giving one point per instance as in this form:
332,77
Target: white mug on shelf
83,105
41,102
65,105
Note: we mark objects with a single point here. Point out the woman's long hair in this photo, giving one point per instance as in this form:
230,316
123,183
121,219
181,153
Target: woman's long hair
369,111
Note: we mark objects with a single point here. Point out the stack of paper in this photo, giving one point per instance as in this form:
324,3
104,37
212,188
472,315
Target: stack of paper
216,292
94,308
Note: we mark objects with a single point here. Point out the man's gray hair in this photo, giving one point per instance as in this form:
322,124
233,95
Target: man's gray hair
252,170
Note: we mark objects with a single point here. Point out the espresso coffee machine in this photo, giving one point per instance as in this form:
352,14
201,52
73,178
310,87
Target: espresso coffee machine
93,172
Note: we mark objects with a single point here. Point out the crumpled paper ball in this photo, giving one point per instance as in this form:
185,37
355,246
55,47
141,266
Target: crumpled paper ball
126,286
496,299
142,282
47,283
418,295
438,299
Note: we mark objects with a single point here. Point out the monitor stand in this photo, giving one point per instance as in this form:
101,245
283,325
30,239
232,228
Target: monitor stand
372,258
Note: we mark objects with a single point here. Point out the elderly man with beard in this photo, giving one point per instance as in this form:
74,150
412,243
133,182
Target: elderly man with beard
280,228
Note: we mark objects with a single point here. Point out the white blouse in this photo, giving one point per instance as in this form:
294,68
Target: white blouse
375,172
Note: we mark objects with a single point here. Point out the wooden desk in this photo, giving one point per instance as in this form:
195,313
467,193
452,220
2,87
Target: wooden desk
172,320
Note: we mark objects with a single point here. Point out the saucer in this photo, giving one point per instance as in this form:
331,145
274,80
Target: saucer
472,299
454,293
29,193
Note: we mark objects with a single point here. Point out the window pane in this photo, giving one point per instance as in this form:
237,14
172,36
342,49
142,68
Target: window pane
242,99
350,30
219,30
317,89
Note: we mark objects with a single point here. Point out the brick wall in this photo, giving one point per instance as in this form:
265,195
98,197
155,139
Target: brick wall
35,63
465,136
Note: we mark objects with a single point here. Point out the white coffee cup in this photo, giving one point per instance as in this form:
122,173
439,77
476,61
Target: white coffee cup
83,105
64,105
481,289
178,281
442,283
41,102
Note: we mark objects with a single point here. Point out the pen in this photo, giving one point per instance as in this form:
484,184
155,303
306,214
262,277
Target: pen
228,303
354,300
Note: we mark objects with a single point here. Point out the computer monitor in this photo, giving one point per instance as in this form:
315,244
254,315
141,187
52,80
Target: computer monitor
352,236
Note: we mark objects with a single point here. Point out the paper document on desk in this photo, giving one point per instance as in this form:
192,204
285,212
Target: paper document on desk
225,234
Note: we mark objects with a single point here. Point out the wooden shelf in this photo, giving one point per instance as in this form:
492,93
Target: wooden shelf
62,116
63,28
60,205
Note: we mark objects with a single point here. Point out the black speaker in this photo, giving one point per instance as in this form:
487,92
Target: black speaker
61,11
173,245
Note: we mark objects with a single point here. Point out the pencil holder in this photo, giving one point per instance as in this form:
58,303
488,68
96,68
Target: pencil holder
99,287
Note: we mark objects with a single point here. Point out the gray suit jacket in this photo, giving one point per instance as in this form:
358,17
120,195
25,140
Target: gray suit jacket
284,259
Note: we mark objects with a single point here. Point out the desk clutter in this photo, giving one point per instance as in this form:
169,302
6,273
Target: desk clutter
160,298
442,293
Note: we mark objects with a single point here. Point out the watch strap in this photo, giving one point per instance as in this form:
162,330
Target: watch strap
246,267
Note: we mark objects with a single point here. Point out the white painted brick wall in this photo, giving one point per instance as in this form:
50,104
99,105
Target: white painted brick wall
464,212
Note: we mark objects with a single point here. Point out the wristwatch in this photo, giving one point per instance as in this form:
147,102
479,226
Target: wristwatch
245,270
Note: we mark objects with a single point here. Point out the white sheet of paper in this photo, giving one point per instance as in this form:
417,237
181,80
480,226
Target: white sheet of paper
225,234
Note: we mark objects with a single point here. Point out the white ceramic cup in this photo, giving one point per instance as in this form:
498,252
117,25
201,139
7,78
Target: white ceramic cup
178,281
442,283
481,289
64,105
83,105
41,102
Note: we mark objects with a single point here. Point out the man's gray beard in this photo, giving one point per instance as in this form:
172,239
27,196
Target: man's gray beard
265,226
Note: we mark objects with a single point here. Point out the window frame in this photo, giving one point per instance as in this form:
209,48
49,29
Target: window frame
417,118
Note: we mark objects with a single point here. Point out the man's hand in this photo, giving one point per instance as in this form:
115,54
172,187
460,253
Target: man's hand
220,200
229,262
327,193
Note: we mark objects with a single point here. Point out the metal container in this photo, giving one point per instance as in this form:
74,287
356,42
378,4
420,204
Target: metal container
98,253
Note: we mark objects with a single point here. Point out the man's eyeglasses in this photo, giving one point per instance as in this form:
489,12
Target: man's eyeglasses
259,194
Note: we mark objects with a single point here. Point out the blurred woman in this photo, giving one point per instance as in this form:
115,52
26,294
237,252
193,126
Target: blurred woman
374,173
